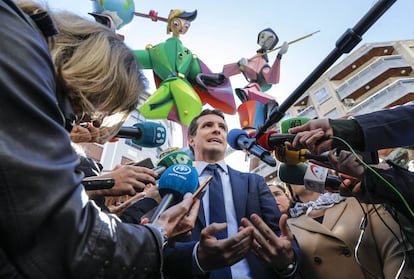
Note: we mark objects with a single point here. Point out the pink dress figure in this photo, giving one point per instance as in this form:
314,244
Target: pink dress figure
260,76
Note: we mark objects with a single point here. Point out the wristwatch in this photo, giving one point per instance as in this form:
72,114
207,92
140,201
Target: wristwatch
162,232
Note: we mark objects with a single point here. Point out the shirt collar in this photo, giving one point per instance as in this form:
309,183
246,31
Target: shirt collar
201,165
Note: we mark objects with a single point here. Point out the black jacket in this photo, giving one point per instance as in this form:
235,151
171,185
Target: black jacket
49,229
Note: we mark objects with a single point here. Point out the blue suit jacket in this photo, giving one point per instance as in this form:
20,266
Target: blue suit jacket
251,195
387,128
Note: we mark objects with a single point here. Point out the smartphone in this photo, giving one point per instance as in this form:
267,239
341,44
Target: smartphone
131,201
98,183
202,187
144,163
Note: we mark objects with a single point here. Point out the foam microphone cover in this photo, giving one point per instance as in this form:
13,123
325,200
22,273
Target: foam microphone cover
178,180
233,136
285,125
174,158
292,174
152,134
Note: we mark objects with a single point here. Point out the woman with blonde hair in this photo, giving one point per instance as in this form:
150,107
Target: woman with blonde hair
53,76
94,67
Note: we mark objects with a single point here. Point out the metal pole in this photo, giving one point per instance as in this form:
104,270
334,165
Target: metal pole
344,44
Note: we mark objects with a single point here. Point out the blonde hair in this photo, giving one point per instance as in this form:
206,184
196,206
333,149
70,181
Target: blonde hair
97,70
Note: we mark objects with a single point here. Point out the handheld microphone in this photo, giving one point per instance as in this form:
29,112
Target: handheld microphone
313,177
294,157
145,134
173,158
272,139
286,124
174,183
240,140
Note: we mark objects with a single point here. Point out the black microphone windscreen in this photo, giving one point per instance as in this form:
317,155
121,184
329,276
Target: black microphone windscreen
276,139
292,174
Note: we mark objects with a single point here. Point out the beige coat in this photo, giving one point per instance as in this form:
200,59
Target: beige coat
328,248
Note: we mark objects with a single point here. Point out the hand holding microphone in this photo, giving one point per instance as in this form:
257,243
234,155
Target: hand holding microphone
180,218
276,142
346,162
177,210
272,139
174,183
130,179
315,135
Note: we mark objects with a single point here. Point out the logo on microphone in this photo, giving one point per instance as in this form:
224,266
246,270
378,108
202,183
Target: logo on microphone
182,158
160,135
316,171
315,178
181,169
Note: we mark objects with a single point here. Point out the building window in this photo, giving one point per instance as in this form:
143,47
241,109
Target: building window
321,96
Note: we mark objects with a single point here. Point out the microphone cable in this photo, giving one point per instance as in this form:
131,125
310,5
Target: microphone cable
392,187
364,220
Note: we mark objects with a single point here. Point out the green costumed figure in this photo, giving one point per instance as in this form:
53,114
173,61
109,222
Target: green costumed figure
184,83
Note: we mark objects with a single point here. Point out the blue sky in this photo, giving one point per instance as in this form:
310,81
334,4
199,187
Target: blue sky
225,31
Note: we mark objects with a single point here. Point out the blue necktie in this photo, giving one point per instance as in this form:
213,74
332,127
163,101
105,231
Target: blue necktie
217,214
216,199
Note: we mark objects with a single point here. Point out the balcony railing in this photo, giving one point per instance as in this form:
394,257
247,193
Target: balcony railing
369,73
385,97
308,112
361,56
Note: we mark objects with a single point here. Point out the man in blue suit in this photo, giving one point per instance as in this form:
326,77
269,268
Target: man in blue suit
227,249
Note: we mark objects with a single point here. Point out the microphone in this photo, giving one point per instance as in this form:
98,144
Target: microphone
294,157
272,139
145,134
286,124
174,183
313,177
173,158
240,140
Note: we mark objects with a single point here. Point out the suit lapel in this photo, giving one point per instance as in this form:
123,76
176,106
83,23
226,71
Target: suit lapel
333,214
331,218
308,224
